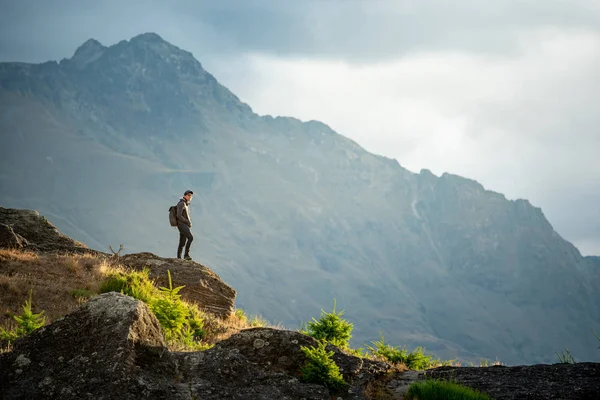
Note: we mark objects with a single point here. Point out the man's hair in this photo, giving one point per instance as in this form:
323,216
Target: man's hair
188,192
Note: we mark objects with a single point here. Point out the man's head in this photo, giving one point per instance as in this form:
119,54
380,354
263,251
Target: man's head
188,195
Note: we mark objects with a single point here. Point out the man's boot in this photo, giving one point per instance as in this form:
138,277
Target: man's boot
179,253
187,257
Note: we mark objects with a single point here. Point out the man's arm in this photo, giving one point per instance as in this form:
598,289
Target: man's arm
180,216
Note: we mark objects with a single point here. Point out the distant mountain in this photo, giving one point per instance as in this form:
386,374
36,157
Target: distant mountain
289,213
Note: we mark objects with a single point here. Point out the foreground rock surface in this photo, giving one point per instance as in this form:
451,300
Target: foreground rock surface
112,348
202,285
27,229
535,382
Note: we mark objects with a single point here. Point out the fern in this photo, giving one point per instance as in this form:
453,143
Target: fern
331,327
27,322
170,311
320,367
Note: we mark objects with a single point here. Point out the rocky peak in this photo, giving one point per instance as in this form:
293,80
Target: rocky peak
153,43
143,53
148,37
153,76
88,52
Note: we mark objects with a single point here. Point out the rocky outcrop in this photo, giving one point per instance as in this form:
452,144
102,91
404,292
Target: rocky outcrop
27,229
112,347
202,285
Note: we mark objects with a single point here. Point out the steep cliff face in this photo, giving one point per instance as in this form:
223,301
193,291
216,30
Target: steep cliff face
289,212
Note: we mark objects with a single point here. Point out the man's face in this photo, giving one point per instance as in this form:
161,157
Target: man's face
188,197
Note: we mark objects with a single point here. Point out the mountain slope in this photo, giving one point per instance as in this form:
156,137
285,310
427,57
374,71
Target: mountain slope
289,212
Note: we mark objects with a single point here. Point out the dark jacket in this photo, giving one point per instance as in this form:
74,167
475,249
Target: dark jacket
183,213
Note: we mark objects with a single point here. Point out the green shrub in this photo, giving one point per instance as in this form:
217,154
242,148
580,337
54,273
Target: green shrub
331,327
170,310
390,353
182,322
320,367
190,341
136,284
419,361
416,360
443,390
195,320
27,322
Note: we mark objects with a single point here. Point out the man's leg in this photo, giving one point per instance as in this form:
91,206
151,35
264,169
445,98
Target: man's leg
182,239
188,238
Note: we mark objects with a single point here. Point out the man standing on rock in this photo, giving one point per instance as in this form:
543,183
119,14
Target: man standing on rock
184,223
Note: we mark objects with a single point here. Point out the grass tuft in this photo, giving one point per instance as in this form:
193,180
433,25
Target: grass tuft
433,389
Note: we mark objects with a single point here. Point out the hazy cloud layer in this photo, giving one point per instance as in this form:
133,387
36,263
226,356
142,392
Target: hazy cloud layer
505,94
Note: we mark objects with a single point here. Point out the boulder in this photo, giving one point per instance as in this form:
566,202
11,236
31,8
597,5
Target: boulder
279,350
111,347
202,285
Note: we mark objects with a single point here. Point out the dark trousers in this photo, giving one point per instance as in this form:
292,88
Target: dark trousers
185,239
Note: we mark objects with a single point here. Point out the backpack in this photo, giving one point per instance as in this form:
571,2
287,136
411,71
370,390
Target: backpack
173,215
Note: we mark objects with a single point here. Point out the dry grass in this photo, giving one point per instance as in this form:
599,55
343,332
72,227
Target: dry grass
51,277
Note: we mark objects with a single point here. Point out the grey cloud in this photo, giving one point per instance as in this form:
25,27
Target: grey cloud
355,31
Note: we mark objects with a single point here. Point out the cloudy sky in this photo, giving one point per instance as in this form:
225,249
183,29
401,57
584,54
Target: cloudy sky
504,92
